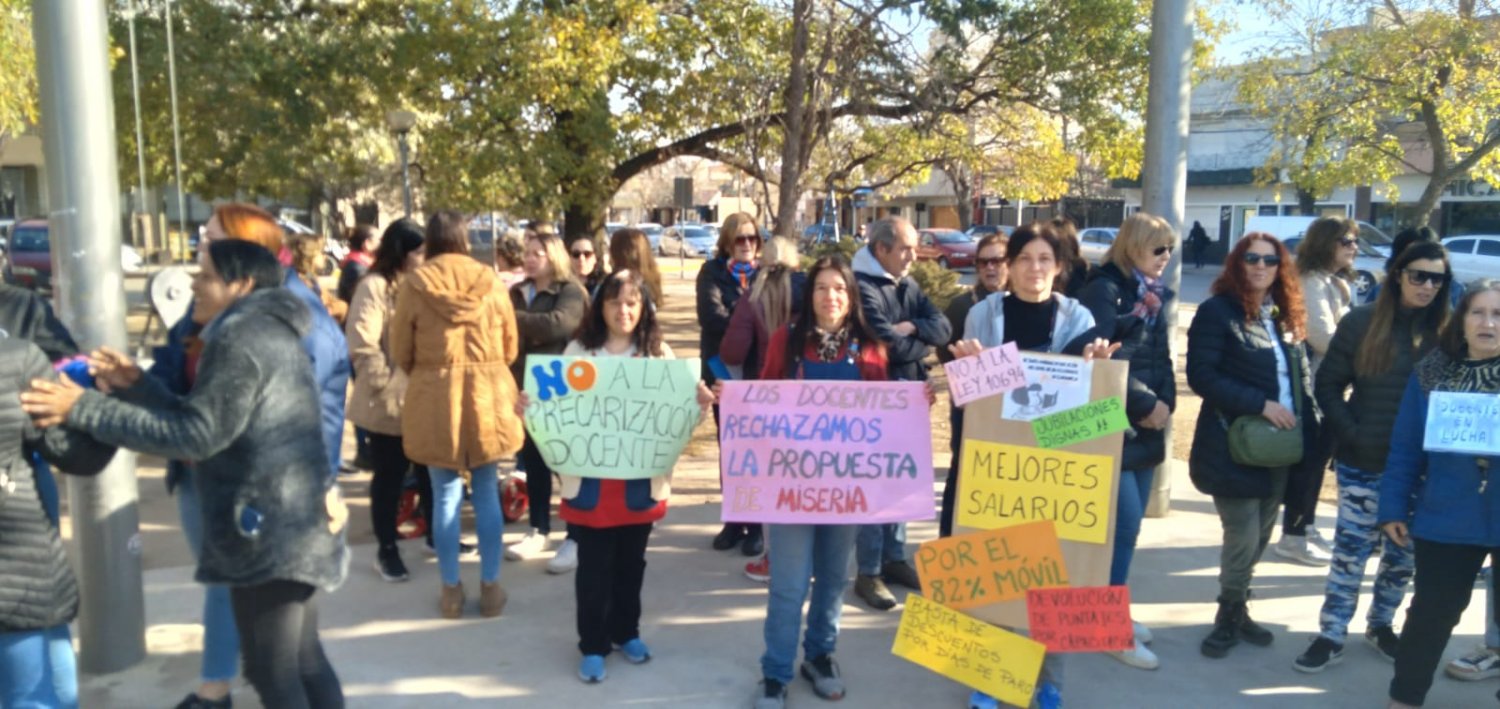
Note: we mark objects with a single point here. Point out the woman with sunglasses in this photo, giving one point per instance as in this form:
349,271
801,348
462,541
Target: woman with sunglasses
721,282
1128,300
1359,387
1246,358
584,258
1325,261
992,271
1441,504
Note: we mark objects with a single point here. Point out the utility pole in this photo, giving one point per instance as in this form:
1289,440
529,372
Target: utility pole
182,215
1164,170
131,10
78,123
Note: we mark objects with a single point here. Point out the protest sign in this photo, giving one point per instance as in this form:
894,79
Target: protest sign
1053,384
993,371
1074,485
1095,619
1009,485
997,662
611,417
1092,420
988,567
825,452
1463,423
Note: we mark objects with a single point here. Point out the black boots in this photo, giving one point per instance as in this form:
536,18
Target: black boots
1231,625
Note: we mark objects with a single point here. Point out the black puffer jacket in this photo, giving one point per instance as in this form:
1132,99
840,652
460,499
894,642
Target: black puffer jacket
1231,364
252,423
718,291
548,321
27,316
37,588
1111,296
1361,426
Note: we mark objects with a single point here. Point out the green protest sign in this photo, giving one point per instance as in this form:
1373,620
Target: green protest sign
1081,423
611,417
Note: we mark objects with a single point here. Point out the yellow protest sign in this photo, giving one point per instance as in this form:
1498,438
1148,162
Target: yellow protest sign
1006,485
972,652
981,568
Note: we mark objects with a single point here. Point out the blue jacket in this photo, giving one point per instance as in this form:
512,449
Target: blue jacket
324,343
1439,492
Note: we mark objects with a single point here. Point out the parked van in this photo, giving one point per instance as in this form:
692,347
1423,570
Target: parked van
1369,264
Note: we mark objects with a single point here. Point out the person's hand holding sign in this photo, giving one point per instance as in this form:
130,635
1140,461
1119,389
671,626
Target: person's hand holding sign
965,348
1100,348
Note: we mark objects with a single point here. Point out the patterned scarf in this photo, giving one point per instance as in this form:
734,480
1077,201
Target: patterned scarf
742,271
1150,295
829,344
1439,372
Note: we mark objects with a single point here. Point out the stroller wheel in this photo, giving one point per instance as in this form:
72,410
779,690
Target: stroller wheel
513,498
409,520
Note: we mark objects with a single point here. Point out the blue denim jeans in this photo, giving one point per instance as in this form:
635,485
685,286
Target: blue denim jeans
447,493
221,637
804,556
1130,509
879,544
46,486
38,670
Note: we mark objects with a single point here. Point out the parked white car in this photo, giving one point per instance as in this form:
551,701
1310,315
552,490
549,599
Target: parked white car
1474,256
1094,242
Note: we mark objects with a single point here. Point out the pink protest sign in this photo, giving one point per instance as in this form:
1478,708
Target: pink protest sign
825,452
996,370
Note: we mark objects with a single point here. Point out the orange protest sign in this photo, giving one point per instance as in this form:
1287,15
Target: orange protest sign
1092,619
993,566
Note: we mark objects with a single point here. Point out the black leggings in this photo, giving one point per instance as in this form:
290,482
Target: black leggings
284,659
387,481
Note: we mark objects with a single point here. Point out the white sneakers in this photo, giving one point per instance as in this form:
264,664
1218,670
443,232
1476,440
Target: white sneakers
531,545
566,558
1141,656
1310,550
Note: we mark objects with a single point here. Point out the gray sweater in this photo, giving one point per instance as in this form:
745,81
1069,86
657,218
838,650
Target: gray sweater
251,424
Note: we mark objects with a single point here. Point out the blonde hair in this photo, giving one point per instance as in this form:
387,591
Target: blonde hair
557,256
772,290
307,254
730,230
1140,233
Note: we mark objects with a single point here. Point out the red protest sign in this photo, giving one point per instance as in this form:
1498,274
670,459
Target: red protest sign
1089,619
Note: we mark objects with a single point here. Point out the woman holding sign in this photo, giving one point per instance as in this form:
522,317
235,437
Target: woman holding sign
549,306
1369,361
1246,358
454,334
1038,319
1439,480
612,519
1129,302
828,340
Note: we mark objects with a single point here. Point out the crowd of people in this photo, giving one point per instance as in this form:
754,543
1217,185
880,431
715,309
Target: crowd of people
247,400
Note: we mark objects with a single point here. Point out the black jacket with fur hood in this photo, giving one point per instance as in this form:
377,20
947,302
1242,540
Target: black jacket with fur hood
251,424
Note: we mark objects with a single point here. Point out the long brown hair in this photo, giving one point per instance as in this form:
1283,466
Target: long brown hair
1286,291
1378,349
772,290
593,332
1320,245
629,249
801,329
1453,343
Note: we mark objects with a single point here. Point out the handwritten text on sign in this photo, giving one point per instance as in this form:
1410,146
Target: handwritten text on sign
1006,485
1093,619
1076,425
994,566
993,371
611,417
997,662
825,452
1463,423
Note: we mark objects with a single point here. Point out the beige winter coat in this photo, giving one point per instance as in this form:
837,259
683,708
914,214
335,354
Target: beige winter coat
454,333
379,385
1327,297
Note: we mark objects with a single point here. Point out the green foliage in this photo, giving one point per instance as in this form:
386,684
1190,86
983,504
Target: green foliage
17,68
940,284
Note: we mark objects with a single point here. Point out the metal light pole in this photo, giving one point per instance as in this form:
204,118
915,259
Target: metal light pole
72,62
182,216
402,121
1164,171
131,10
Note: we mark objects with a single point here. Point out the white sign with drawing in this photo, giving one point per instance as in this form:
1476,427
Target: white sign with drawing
1463,423
1053,385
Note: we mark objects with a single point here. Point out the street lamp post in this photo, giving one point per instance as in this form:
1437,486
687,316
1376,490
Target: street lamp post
402,121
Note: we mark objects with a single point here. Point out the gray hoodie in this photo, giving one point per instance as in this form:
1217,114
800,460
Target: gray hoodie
986,322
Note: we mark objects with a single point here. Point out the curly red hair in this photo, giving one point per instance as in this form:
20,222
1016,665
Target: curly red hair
1286,290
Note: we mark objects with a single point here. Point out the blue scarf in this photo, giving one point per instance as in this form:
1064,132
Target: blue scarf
742,271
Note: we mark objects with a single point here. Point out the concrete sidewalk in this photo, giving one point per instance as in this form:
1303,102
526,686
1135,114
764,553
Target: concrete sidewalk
703,622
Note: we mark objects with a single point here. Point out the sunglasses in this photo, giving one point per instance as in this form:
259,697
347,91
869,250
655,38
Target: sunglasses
1418,277
987,262
1348,243
746,240
1271,261
582,254
1160,250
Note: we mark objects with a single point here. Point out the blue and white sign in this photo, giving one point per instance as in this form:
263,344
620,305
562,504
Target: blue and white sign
1463,423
